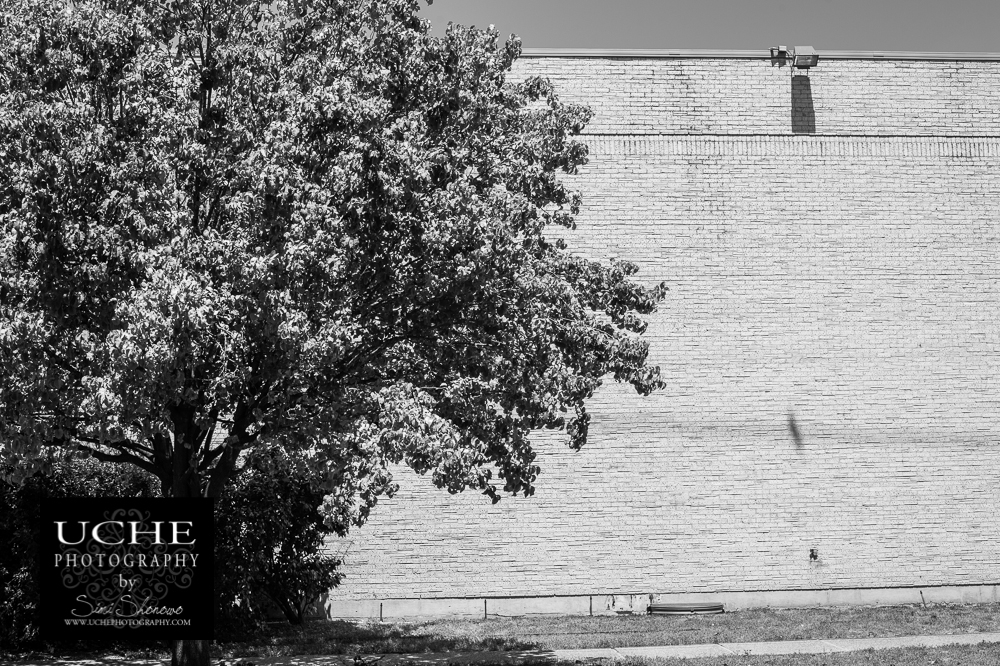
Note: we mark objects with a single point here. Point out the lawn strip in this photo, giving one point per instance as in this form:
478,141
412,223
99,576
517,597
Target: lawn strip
565,632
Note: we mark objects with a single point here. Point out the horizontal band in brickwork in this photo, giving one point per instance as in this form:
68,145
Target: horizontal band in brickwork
805,146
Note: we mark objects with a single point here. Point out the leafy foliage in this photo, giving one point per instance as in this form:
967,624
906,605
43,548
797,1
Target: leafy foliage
307,223
269,536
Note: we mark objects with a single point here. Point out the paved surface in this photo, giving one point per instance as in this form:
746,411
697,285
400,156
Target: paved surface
526,657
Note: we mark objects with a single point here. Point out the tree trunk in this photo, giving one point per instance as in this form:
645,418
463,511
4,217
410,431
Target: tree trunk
186,483
189,653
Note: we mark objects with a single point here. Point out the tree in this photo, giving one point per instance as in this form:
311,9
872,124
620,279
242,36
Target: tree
308,224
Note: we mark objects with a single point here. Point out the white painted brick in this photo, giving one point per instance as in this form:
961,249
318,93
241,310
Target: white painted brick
847,279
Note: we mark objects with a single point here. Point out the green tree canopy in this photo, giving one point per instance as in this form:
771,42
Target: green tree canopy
306,223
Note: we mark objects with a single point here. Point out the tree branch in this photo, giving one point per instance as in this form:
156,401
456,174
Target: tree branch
121,457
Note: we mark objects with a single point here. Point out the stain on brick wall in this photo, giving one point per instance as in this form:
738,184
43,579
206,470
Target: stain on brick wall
830,343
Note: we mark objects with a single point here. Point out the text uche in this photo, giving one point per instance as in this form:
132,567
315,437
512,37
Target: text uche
103,532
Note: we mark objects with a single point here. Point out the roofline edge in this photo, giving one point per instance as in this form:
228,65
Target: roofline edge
754,53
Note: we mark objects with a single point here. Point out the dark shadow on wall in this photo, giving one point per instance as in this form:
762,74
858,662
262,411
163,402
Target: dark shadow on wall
803,114
793,429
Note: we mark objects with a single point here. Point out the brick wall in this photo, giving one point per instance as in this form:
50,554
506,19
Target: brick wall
830,343
747,96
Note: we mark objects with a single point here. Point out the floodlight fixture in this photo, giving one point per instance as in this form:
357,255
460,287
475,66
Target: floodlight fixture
801,57
804,57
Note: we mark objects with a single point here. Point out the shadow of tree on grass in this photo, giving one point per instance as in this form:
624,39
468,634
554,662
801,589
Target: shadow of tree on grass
343,637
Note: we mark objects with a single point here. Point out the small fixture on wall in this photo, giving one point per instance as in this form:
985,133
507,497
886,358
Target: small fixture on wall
813,554
802,57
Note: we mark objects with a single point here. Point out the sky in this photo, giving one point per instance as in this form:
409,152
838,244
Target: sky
852,25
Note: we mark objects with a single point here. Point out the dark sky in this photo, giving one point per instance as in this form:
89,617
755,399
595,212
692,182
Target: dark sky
864,25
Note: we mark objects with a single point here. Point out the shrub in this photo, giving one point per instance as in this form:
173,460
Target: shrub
269,532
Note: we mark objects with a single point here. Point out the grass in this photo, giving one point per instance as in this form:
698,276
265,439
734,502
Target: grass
541,632
762,624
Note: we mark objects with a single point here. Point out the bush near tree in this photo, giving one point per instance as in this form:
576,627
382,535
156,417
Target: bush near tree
303,223
270,536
